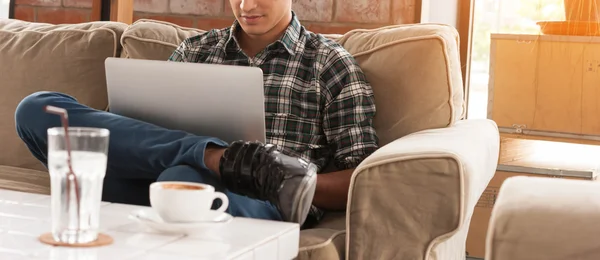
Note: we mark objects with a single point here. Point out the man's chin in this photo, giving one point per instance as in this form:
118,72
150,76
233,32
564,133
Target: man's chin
253,31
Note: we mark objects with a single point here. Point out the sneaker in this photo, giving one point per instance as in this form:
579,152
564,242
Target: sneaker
315,215
262,172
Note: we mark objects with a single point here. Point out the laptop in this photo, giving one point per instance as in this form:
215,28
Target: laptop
222,101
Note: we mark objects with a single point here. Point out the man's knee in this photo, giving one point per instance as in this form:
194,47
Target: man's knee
30,111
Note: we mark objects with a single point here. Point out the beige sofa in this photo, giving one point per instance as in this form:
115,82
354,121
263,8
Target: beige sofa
545,218
412,199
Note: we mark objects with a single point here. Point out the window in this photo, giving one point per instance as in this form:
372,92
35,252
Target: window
502,16
4,9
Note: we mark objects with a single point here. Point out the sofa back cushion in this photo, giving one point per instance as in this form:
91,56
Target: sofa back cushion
414,69
154,40
64,58
415,73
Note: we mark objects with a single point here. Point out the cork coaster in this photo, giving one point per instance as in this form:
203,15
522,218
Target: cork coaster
102,240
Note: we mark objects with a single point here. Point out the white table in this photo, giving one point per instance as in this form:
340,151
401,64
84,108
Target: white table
24,216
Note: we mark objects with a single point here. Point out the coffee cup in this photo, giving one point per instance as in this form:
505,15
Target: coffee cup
176,201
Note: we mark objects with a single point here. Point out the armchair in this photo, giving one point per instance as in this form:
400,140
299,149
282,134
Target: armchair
545,218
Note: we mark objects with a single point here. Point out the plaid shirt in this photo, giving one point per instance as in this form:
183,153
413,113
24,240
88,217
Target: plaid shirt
318,104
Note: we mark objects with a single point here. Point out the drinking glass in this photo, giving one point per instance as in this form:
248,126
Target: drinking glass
76,197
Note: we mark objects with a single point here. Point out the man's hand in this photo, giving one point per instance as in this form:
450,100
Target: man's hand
332,190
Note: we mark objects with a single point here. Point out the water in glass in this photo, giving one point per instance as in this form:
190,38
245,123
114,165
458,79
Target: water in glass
76,197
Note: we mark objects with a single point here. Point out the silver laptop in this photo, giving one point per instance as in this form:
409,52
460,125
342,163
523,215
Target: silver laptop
220,101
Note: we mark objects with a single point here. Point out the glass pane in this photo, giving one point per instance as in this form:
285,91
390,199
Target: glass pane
502,16
4,7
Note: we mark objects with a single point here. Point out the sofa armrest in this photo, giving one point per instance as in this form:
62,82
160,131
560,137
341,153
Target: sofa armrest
545,218
415,194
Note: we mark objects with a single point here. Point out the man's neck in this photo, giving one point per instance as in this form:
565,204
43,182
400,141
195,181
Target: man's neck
253,44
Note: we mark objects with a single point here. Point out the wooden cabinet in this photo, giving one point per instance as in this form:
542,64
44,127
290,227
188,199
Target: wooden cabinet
545,85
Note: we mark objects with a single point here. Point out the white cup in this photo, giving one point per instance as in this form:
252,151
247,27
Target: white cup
176,201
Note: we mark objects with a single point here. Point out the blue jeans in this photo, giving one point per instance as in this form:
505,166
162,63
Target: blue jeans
139,153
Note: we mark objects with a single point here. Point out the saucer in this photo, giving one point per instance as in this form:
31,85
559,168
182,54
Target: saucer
150,218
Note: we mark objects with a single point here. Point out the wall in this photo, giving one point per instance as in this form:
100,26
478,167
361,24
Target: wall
324,16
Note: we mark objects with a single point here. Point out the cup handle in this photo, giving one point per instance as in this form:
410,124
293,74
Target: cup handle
224,201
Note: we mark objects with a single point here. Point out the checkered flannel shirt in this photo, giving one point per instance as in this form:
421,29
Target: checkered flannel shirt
318,104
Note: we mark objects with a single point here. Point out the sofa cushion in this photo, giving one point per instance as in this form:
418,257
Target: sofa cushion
65,58
414,69
415,74
327,240
322,243
154,40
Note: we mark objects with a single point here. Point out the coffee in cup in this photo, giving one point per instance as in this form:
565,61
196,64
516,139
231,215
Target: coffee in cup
179,186
184,201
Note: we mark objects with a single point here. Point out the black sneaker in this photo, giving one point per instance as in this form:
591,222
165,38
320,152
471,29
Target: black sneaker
314,218
261,172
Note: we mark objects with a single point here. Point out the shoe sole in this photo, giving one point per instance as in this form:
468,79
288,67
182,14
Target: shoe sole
306,192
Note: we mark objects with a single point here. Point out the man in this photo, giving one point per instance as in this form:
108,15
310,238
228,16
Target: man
319,109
